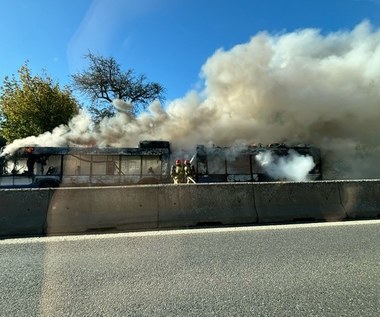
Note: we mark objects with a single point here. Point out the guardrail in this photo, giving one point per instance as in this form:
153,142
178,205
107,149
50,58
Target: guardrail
82,210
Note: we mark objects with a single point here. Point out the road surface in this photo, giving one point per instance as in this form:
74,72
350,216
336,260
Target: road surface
329,269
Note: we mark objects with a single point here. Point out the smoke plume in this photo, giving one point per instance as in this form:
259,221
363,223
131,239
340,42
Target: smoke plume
298,87
294,167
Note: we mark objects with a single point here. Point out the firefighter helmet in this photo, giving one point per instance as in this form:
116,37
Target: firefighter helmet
186,162
178,162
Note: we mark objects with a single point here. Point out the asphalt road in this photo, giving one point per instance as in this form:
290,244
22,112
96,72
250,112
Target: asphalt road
330,269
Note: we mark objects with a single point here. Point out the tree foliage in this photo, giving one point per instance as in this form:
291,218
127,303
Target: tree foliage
104,81
33,105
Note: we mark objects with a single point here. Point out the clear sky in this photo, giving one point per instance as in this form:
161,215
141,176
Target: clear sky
168,40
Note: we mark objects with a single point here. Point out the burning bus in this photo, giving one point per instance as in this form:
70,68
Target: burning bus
86,166
258,163
150,163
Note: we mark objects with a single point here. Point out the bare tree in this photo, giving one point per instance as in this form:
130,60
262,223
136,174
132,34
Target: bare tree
104,81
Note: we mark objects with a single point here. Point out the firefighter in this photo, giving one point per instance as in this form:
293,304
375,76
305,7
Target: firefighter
30,161
177,172
189,172
30,165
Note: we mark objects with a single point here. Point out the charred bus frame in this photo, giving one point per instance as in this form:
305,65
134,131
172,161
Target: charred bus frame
240,164
81,166
149,163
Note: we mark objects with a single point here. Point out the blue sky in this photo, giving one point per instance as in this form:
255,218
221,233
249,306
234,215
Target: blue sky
168,40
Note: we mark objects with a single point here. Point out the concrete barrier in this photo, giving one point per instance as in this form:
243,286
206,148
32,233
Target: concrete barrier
81,210
191,204
287,202
361,199
23,211
78,210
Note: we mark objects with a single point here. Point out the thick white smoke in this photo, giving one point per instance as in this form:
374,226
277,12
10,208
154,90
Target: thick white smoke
78,131
294,167
122,106
294,87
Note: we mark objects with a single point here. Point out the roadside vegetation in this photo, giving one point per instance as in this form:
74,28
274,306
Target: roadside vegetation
33,104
